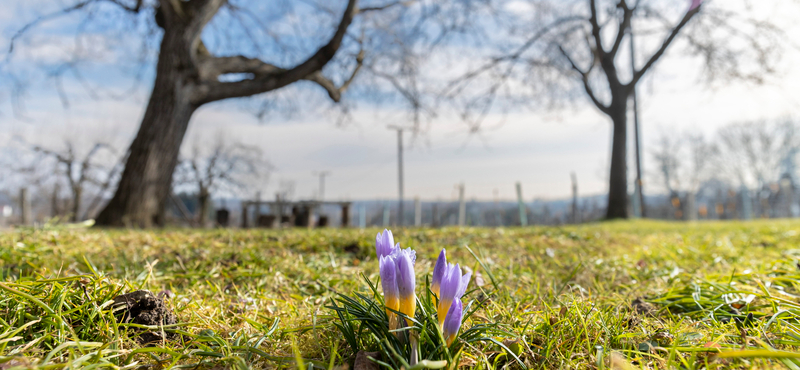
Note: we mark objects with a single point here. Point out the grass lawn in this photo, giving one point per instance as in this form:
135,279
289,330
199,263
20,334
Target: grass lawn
613,295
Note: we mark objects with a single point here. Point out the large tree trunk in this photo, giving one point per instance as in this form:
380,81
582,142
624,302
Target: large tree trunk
618,178
146,182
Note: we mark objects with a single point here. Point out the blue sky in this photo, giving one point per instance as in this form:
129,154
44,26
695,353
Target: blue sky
537,148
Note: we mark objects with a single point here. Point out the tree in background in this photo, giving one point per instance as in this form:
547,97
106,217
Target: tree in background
740,159
82,172
212,50
753,154
683,163
547,52
222,167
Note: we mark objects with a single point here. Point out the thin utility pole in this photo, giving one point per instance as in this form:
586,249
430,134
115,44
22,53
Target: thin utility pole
25,207
636,137
497,219
399,172
523,213
258,208
435,215
322,175
575,216
417,212
462,206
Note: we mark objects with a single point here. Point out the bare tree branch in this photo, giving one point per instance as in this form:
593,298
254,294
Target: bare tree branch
627,13
654,58
78,6
212,68
385,6
585,78
454,87
214,90
334,92
598,40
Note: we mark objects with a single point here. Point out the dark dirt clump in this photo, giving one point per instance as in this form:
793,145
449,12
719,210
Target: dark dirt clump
643,307
144,308
352,248
363,363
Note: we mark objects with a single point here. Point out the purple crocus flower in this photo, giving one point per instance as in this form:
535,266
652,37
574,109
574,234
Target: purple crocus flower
438,272
453,287
397,277
453,322
695,4
391,294
406,283
384,244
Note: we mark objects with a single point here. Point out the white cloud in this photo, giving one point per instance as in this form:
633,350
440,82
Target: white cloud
518,7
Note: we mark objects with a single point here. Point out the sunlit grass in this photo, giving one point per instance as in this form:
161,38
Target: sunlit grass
707,295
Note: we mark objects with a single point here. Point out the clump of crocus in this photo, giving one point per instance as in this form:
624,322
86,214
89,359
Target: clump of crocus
397,277
449,285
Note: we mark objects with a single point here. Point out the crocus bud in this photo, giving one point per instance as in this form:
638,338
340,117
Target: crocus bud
391,294
406,283
438,272
695,4
453,322
384,244
453,287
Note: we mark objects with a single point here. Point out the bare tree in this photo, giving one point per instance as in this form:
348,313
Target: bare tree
752,156
84,174
223,167
549,51
212,50
751,153
285,190
683,161
667,159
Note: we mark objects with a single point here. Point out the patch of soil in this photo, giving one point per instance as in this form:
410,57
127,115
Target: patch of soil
144,308
643,307
352,248
363,363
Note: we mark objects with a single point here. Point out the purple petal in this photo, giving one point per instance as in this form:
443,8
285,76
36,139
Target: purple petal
450,282
440,268
388,271
452,321
384,243
412,254
405,272
462,285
